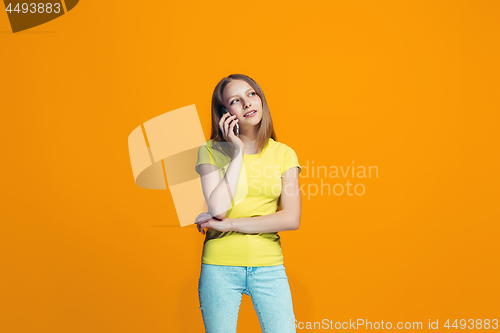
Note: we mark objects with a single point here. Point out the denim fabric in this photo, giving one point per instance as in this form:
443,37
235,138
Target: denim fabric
221,288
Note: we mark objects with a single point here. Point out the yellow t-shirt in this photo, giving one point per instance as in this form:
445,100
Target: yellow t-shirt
257,193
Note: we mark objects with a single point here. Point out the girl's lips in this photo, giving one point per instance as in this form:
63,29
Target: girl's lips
251,114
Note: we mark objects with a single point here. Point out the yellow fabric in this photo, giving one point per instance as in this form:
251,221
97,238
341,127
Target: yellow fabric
256,195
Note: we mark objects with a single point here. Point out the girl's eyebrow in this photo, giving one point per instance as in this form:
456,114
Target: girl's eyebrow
236,95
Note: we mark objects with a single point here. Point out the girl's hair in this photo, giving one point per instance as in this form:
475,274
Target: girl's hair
266,129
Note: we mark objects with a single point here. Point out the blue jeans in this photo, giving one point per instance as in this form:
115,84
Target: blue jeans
222,287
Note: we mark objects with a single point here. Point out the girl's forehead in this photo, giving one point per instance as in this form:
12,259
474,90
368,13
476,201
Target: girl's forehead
236,85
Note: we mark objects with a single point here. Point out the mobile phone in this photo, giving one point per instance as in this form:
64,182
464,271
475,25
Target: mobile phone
236,126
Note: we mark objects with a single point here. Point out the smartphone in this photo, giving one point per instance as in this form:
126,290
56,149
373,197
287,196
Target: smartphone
236,126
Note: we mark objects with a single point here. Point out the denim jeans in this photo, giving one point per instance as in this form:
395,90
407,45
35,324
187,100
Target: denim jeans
221,288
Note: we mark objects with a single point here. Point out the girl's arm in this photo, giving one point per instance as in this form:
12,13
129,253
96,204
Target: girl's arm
286,219
218,192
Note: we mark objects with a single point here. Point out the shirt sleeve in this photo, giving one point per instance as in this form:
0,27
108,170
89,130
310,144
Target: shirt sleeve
290,160
204,157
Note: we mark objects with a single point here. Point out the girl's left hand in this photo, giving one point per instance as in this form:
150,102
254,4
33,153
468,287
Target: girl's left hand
205,220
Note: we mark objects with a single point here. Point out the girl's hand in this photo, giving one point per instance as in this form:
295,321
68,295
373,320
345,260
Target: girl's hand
205,220
203,217
226,124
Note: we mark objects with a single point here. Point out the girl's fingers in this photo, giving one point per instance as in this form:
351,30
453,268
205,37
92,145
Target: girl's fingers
229,119
201,222
221,123
232,126
226,125
201,229
224,130
222,119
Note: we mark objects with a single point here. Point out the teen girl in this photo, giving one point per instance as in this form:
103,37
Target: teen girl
245,180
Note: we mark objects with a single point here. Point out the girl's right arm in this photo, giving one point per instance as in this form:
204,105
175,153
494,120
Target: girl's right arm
219,193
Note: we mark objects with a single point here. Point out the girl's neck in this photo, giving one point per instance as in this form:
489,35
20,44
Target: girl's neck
249,138
249,135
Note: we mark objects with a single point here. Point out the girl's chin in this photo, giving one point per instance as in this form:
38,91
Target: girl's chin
253,120
251,125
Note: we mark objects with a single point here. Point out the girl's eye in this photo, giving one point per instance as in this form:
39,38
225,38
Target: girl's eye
234,100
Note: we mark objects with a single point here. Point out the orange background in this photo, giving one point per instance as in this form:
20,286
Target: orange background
412,88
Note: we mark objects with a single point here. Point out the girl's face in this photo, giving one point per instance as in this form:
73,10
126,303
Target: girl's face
241,100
